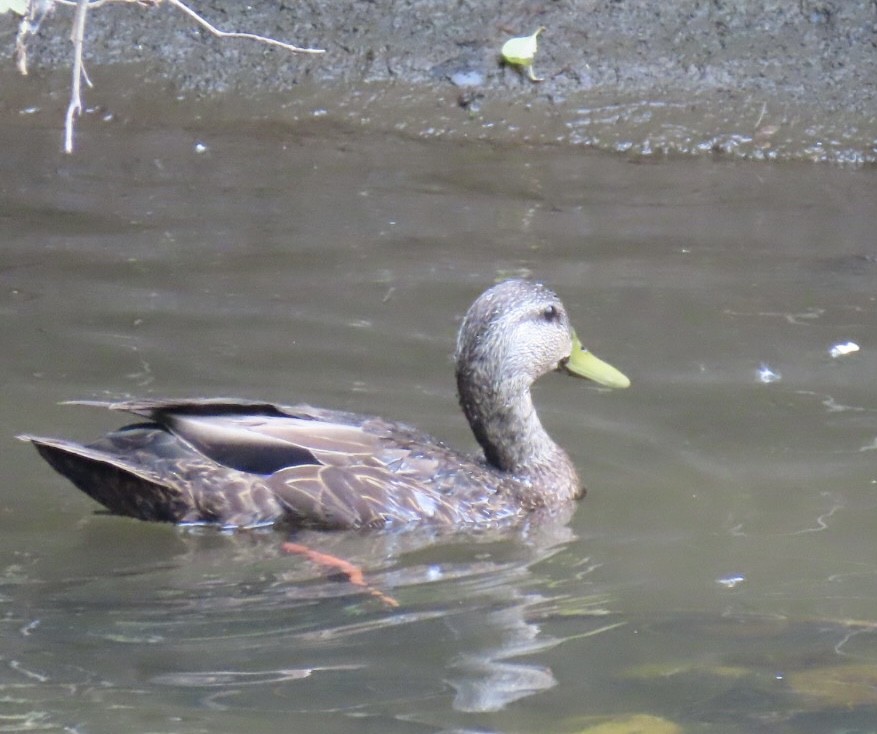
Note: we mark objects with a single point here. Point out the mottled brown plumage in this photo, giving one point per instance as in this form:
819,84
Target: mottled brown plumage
245,463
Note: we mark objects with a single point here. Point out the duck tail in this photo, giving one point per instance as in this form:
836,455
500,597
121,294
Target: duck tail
120,486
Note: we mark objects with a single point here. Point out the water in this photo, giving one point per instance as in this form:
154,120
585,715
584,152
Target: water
724,552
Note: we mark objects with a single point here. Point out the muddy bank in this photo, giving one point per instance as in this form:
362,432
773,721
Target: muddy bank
772,80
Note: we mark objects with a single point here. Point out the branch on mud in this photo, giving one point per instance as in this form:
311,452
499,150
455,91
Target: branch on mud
231,34
37,10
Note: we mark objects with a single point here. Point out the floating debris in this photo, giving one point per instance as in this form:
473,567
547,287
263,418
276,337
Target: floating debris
522,51
732,581
200,148
840,350
767,375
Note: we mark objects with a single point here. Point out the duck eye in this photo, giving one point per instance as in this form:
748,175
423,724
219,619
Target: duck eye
551,313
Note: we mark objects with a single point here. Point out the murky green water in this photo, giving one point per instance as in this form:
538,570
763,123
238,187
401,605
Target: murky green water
725,552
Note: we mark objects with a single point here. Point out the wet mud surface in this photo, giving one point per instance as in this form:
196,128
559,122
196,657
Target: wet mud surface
764,81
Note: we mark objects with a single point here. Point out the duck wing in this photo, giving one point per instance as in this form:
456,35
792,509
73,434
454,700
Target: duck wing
127,471
264,438
246,462
362,496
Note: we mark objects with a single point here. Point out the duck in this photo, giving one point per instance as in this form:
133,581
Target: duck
245,463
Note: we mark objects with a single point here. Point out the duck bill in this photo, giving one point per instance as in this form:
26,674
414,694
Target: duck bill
582,363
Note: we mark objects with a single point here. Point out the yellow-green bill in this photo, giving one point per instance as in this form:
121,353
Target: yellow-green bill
584,364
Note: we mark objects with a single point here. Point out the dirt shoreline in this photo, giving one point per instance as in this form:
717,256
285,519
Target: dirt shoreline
764,81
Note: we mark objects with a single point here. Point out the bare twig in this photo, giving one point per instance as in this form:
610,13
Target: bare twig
38,9
35,13
231,34
202,22
75,106
24,29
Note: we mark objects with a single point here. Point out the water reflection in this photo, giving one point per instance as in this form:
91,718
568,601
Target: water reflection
259,622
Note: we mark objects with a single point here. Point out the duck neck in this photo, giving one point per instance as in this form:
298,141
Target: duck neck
504,421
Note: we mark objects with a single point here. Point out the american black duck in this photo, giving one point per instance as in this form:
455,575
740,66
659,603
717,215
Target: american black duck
245,463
